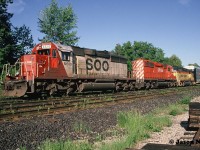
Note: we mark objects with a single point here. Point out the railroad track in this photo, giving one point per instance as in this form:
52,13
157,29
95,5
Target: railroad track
11,109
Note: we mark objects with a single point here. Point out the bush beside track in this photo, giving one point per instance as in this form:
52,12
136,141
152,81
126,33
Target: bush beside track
89,124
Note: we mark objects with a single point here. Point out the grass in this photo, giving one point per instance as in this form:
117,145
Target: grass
179,107
3,111
65,145
175,109
81,127
137,128
185,100
85,102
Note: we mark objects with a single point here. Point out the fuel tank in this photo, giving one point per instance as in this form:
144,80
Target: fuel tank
96,87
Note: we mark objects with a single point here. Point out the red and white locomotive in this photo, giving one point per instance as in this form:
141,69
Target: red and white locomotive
55,68
58,69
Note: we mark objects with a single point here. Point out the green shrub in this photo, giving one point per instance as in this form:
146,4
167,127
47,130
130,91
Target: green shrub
155,123
185,100
175,109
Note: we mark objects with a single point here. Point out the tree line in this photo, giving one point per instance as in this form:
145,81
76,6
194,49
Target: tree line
59,25
145,50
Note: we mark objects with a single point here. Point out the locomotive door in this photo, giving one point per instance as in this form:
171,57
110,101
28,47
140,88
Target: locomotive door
54,59
170,74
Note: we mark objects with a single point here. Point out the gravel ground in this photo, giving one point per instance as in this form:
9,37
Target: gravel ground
170,135
30,133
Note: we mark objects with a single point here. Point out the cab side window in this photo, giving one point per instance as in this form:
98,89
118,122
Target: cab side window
66,56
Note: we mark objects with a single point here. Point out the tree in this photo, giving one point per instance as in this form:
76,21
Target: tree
173,61
125,50
58,24
148,51
139,50
7,42
14,41
24,40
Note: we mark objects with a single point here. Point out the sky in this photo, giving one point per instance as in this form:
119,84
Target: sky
172,25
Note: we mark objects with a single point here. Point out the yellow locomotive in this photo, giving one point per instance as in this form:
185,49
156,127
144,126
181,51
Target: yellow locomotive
184,77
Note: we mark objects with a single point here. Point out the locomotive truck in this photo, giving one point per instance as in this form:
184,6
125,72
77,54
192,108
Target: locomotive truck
53,68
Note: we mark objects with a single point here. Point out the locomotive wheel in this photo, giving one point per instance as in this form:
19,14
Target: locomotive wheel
119,88
52,91
147,85
70,90
132,87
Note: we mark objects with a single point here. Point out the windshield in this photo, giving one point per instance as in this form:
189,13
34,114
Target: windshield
44,52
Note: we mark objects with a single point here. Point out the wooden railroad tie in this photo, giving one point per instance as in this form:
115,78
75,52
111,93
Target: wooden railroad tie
194,121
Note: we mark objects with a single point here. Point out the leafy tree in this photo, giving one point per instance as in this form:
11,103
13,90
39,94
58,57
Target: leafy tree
14,41
58,24
166,60
139,50
125,50
7,42
173,61
24,40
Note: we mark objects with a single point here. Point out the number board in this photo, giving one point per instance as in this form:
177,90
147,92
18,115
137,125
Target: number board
46,46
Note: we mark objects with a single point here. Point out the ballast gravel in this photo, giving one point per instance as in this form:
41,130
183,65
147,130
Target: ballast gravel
30,133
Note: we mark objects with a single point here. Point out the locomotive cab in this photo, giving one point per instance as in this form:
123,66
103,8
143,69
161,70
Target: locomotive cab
57,63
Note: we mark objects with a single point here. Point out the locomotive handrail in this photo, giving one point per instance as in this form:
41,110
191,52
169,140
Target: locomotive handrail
32,71
9,70
48,62
37,68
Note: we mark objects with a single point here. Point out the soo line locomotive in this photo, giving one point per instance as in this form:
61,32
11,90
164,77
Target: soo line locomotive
58,69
